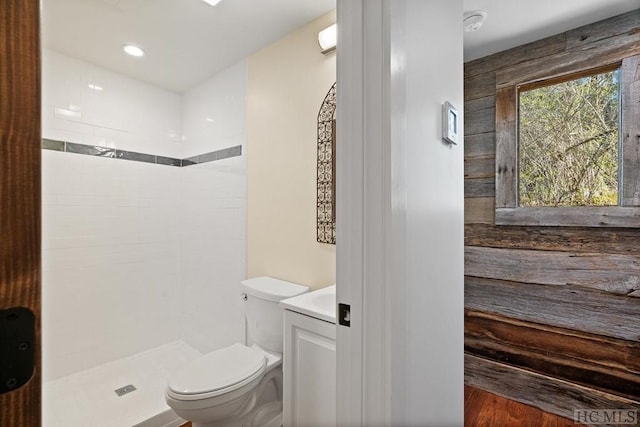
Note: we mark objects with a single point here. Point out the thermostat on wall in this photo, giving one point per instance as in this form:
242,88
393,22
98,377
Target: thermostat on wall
449,123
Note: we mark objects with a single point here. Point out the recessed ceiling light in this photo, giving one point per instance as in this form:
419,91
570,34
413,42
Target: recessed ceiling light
133,50
212,2
472,21
95,87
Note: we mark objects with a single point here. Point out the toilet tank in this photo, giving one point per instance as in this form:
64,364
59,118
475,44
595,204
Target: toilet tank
263,312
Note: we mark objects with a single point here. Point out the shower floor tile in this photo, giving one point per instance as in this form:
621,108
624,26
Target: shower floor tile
88,398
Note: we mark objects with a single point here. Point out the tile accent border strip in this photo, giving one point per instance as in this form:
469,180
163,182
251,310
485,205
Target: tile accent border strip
92,150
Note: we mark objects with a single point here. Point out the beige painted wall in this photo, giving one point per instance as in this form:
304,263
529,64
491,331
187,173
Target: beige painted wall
286,84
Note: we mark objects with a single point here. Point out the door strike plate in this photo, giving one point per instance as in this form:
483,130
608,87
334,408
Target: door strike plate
344,315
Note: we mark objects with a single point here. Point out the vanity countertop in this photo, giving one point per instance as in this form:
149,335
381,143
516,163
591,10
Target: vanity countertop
320,304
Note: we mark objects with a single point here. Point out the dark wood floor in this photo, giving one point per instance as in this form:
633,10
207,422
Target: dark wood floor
483,409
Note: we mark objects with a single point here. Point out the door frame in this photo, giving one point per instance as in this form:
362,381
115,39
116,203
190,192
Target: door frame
364,221
20,257
400,256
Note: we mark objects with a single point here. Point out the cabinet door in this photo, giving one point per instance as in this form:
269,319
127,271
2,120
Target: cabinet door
309,372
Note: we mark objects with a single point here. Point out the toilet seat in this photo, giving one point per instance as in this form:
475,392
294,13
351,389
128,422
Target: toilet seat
218,373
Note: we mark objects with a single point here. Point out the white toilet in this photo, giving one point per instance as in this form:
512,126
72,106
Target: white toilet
239,385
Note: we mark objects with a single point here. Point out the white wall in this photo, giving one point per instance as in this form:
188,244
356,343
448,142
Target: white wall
214,112
287,82
213,226
111,253
136,255
400,214
427,351
127,114
111,247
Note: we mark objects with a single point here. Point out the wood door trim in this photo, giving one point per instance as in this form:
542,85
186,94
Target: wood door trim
20,271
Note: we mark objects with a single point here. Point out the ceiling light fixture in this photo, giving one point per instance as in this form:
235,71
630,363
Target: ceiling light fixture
328,39
472,21
95,87
212,2
133,50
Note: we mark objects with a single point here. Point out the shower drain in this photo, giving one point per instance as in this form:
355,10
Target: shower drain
125,390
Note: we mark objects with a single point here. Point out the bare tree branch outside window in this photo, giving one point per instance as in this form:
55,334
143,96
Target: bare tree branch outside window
568,143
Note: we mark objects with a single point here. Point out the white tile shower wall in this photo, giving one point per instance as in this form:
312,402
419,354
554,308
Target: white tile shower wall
214,112
213,248
213,253
126,114
136,255
213,213
111,259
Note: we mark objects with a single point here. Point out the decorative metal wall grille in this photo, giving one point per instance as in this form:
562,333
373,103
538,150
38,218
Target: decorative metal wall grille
326,221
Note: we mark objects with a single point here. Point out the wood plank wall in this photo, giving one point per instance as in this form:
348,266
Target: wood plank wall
552,314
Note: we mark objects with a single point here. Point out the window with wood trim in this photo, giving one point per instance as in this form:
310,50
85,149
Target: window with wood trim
568,148
568,141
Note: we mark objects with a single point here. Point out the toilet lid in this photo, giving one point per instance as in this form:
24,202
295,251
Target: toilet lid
223,370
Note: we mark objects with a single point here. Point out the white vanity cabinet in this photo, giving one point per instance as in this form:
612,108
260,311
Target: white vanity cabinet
309,368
